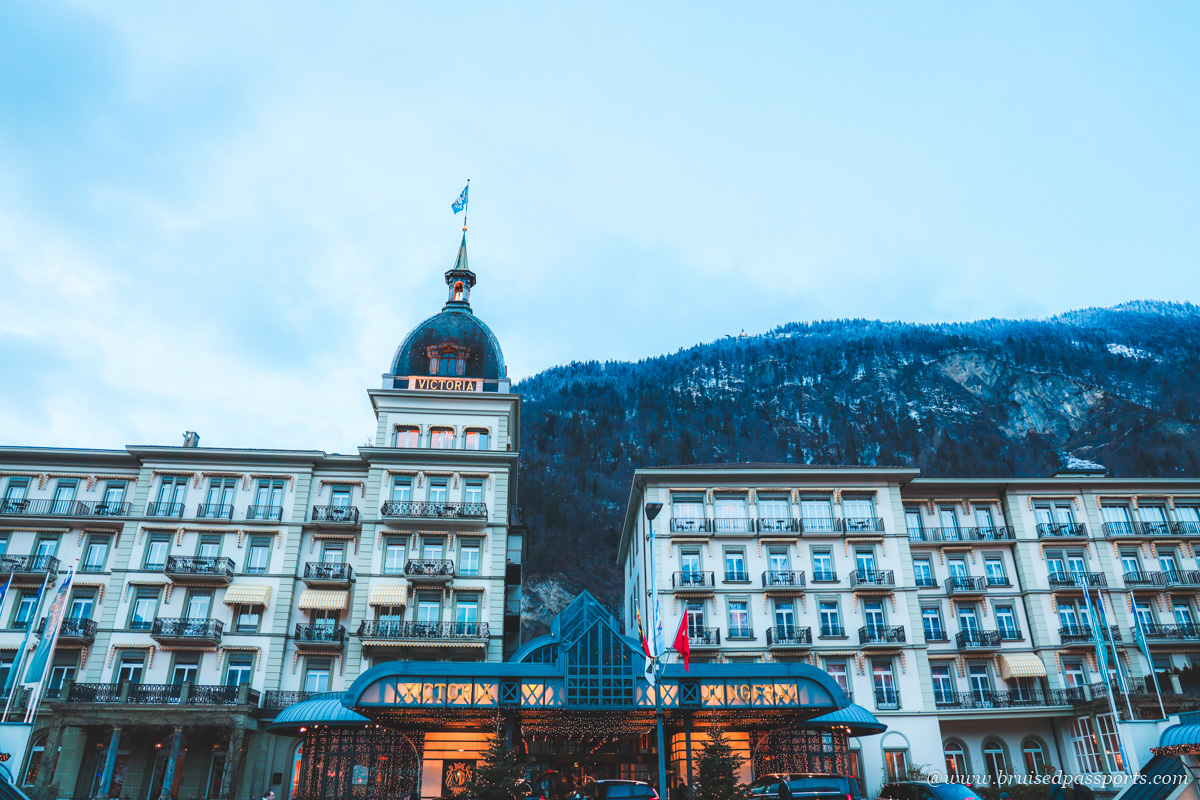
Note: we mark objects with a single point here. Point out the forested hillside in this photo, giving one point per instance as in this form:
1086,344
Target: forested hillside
1120,386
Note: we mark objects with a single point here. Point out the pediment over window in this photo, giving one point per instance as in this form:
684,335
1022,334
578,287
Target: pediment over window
448,359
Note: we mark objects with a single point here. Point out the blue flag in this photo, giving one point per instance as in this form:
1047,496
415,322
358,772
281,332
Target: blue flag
54,618
461,203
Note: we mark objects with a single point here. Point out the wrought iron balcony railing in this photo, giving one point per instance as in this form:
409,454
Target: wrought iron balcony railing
434,509
1156,632
214,511
741,632
161,694
164,509
872,577
854,524
381,629
331,571
1138,528
881,634
783,579
347,514
72,628
1074,634
997,581
970,534
983,699
1182,577
101,508
975,639
778,525
691,579
690,525
200,566
964,584
929,582
429,568
704,637
332,636
29,565
1010,634
734,576
733,525
936,635
40,508
887,700
1053,530
1081,579
264,512
831,631
197,629
789,636
820,524
824,576
1139,578
276,700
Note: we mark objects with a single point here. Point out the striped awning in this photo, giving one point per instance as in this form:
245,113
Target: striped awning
388,594
323,600
1021,665
248,594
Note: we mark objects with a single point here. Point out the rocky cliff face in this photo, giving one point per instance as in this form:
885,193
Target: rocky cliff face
1118,386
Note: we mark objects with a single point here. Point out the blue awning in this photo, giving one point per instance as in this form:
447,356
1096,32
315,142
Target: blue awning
857,719
324,709
1180,735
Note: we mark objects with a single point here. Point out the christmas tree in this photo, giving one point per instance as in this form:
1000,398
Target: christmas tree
498,776
717,771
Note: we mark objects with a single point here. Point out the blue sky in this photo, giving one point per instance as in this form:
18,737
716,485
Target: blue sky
224,217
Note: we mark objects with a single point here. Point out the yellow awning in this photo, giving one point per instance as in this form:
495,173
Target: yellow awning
323,600
248,594
387,594
1021,665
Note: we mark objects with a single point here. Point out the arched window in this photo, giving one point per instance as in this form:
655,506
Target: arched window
1035,756
994,760
297,760
956,759
476,439
37,751
458,290
441,438
406,437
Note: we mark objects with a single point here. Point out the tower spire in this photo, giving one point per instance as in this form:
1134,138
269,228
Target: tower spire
460,280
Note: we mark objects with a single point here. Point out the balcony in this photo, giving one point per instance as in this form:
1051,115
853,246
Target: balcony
1169,633
1061,530
831,632
1064,580
451,512
783,581
691,525
335,515
267,513
1082,634
887,700
741,632
1145,579
925,583
981,534
100,508
704,638
320,638
977,640
935,635
214,511
778,525
277,700
736,577
39,508
869,579
881,634
174,510
960,585
26,568
983,699
862,524
789,636
1155,529
824,576
820,525
160,694
327,573
733,526
1183,577
998,581
200,570
429,570
693,581
187,631
73,630
469,634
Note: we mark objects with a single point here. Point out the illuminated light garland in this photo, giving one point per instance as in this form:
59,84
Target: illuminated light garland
1177,750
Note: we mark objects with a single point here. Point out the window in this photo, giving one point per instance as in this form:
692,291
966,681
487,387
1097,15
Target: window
730,514
82,604
864,561
391,616
1083,742
187,669
993,568
923,572
433,549
1117,521
873,616
15,492
774,513
981,683
1183,616
968,621
466,614
197,606
1006,622
47,547
473,491
896,764
1131,564
468,557
912,521
406,437
339,496
884,681
258,556
931,620
209,547
778,564
695,620
316,675
429,609
994,760
333,552
739,620
219,504
943,684
143,609
6,665
1153,519
393,557
114,495
239,670
837,670
131,667
1110,741
95,555
984,522
687,512
36,753
246,618
859,513
1188,518
948,523
1073,673
64,497
816,514
156,551
957,567
831,620
401,490
956,760
62,669
785,617
1168,563
441,438
475,439
735,565
1035,756
439,490
24,610
823,566
268,500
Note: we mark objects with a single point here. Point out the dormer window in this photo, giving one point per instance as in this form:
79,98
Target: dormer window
448,359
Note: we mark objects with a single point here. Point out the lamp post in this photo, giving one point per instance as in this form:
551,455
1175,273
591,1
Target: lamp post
652,510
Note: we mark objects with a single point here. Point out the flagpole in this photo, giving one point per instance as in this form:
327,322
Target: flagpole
1102,657
40,690
652,510
1106,630
19,662
466,204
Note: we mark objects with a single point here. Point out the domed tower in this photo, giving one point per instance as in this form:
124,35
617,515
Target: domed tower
452,350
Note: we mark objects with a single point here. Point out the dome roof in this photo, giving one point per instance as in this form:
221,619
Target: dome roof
857,719
323,709
454,326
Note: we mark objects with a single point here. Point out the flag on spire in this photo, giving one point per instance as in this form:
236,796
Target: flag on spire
461,203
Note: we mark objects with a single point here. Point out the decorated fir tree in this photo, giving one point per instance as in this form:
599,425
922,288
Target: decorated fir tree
497,775
717,771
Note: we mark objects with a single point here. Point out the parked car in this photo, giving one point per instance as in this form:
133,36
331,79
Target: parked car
806,786
927,790
624,790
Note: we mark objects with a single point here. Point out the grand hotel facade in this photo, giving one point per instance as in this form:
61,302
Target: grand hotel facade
238,615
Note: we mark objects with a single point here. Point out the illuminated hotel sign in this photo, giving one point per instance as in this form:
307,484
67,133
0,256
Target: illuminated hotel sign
436,384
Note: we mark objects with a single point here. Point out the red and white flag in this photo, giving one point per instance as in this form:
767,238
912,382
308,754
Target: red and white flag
683,645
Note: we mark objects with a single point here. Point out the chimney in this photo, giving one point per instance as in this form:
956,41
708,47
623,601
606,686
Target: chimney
191,439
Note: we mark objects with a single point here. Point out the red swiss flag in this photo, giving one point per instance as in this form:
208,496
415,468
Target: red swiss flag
683,645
